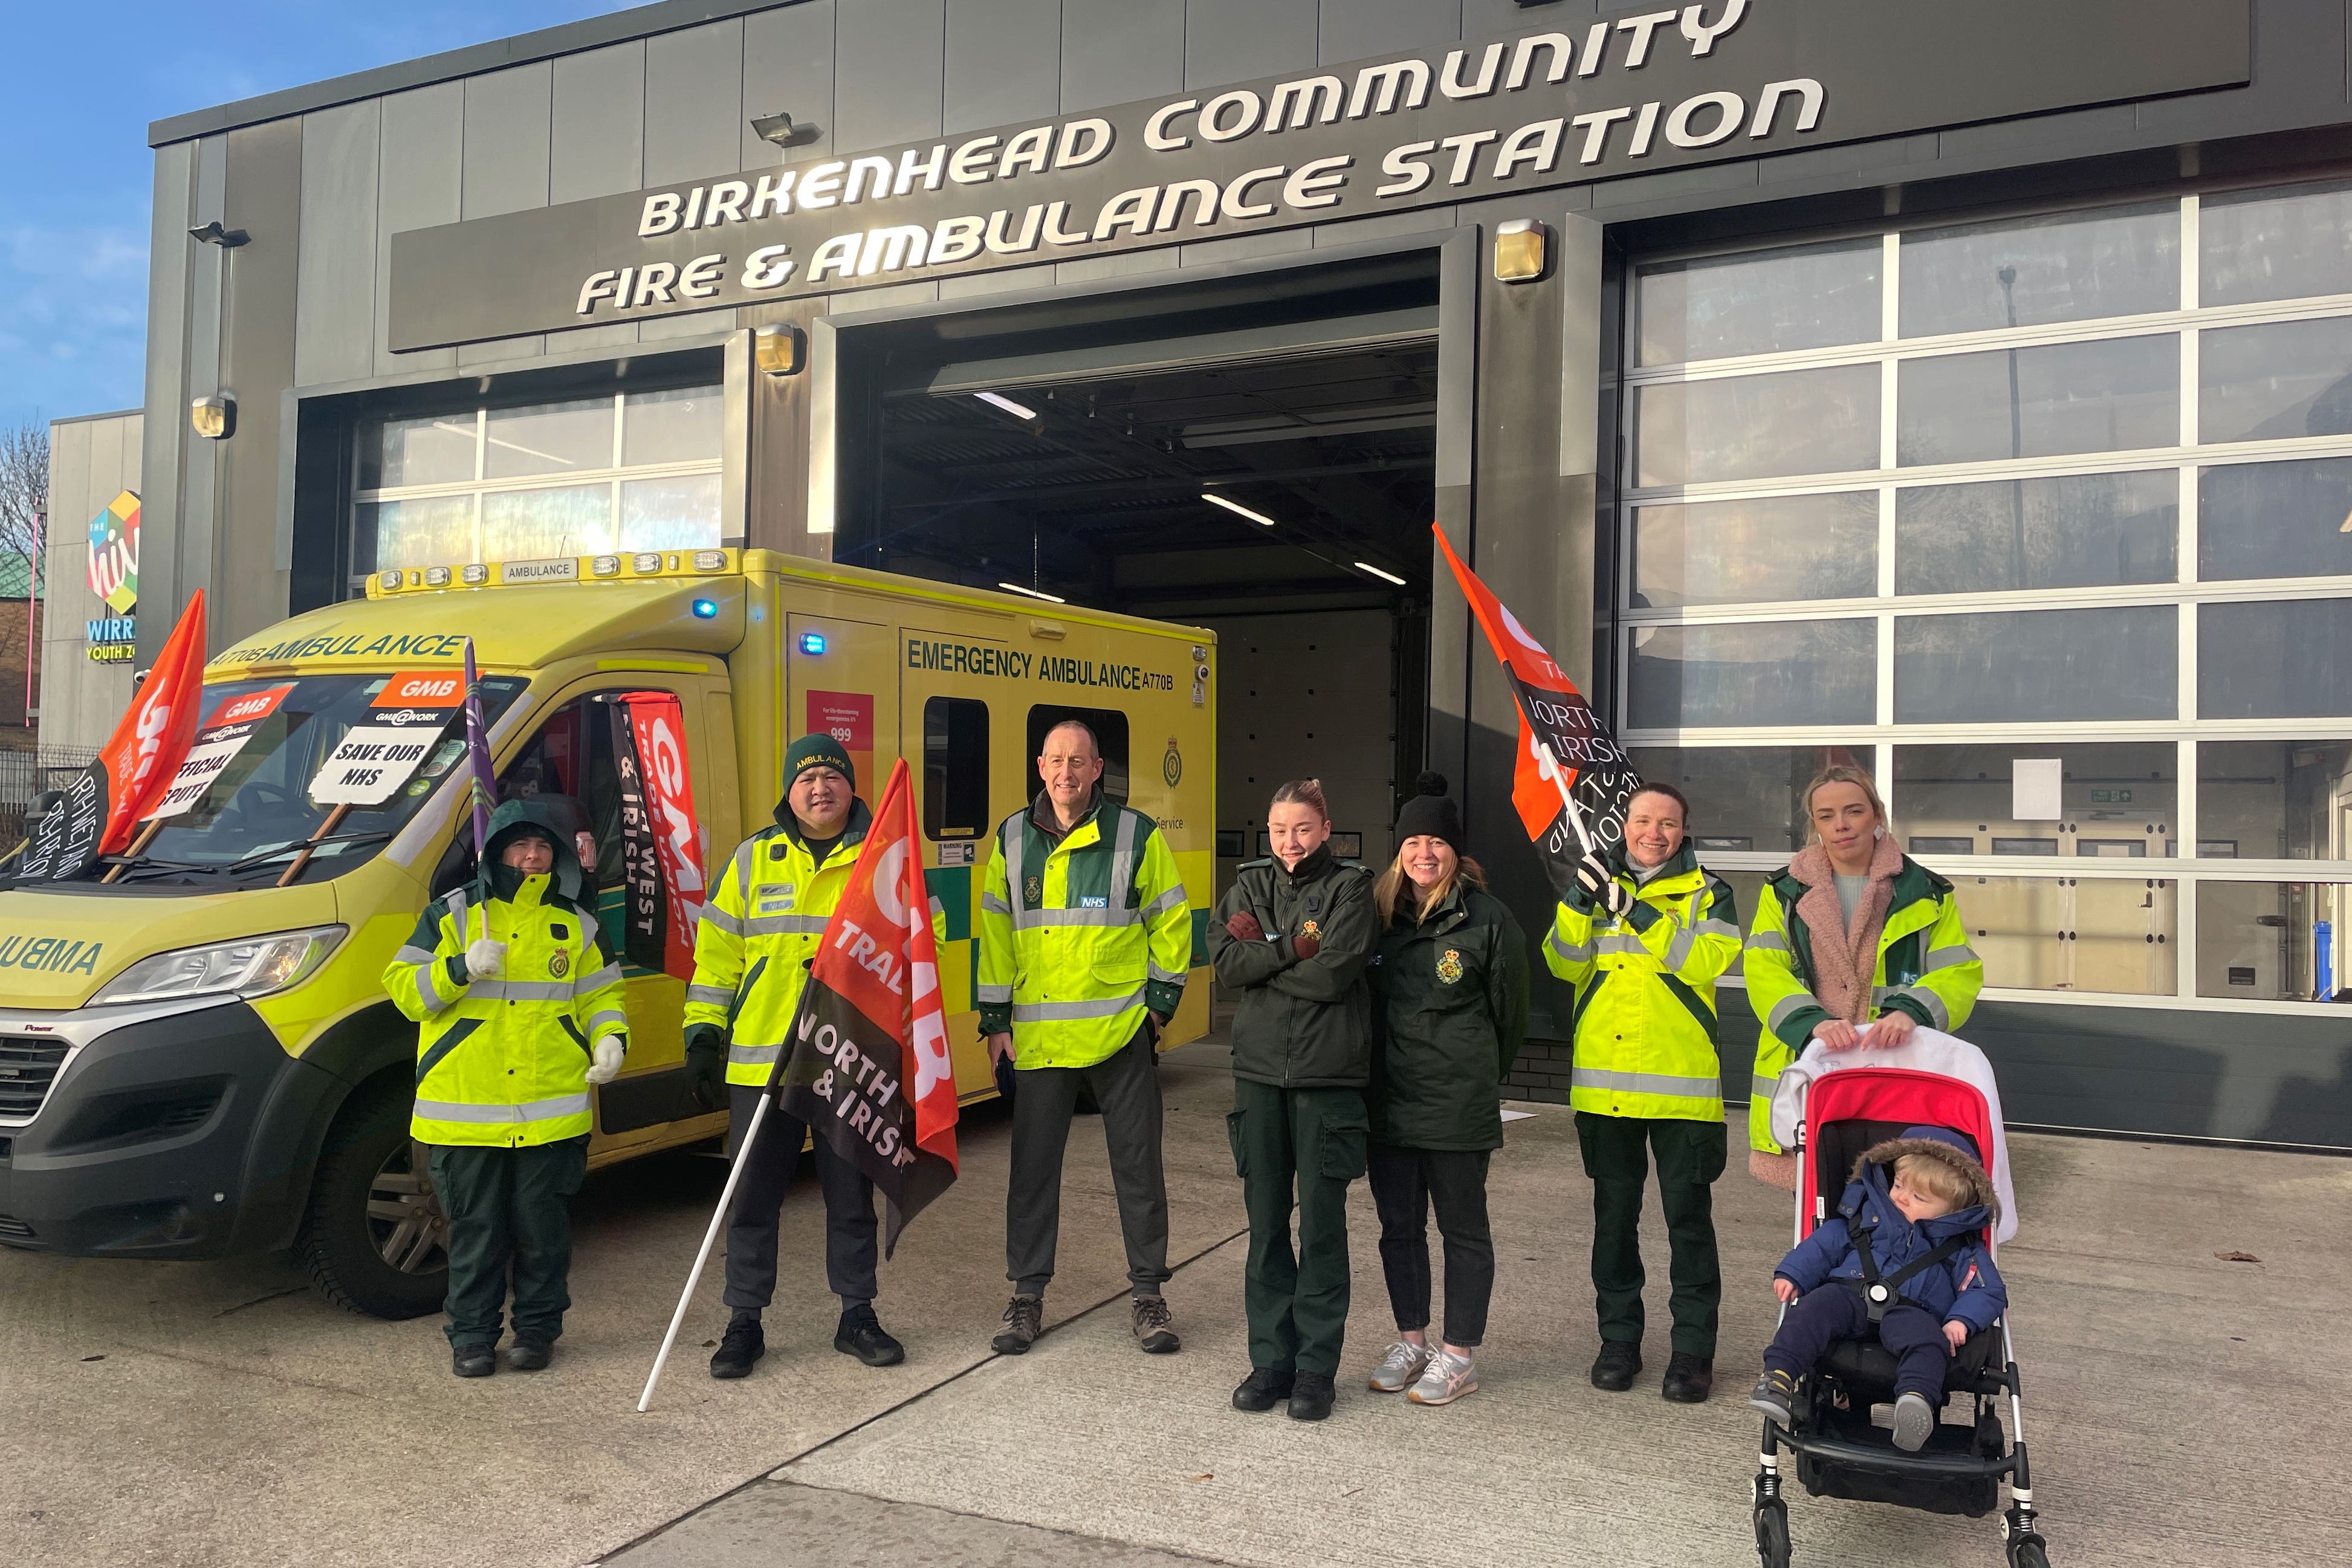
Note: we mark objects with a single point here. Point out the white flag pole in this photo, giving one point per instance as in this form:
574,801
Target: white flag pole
1575,817
709,1239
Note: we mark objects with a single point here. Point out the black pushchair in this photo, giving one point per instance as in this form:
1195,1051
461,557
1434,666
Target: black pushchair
1838,1450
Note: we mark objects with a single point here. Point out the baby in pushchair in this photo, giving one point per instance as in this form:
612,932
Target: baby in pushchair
1903,1261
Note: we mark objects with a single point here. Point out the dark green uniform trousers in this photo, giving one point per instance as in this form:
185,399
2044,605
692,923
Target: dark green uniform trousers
1690,1157
1313,1140
508,1206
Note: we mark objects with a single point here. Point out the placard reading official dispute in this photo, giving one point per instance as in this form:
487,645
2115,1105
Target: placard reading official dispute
374,758
216,745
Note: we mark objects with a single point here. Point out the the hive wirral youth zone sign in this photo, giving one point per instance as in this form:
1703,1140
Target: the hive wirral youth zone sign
1578,101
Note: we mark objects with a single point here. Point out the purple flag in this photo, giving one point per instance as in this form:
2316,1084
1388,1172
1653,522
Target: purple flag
483,787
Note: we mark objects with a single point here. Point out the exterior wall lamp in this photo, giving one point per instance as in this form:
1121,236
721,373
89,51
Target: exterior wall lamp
779,129
780,349
214,418
1522,250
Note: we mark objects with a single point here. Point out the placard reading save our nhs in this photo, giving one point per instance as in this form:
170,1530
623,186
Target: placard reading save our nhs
1542,108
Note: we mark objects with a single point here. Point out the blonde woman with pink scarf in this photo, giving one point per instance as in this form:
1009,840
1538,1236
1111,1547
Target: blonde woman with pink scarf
1854,945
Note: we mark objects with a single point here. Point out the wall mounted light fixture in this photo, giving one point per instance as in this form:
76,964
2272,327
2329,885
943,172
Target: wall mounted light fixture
780,348
214,418
779,129
1522,250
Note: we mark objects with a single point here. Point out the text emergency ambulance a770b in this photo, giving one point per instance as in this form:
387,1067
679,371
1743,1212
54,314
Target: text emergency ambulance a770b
197,1061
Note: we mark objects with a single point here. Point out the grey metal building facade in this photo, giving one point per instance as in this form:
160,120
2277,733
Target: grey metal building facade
1954,389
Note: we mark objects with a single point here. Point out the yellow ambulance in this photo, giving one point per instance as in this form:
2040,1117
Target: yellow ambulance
196,1059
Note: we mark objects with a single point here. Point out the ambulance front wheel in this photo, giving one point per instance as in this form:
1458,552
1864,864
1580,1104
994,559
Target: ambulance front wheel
374,1237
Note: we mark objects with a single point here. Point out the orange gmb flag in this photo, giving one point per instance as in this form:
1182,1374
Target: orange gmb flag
868,1071
1571,781
145,754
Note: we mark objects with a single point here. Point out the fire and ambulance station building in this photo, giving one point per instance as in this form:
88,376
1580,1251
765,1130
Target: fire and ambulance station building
1964,390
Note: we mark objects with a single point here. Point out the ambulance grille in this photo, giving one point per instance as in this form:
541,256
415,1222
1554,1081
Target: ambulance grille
27,1067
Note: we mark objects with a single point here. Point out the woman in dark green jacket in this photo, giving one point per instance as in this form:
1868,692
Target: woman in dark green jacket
1290,941
1451,985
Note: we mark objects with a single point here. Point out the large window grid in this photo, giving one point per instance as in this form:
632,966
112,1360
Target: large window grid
1873,616
632,470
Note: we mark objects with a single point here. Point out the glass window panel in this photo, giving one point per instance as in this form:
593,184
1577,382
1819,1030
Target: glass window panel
955,767
523,525
676,427
436,450
2113,800
2080,530
2275,245
2037,666
436,531
2264,940
2074,933
1750,798
678,514
2069,266
2277,660
551,438
1756,551
2276,520
2115,395
2274,800
2275,382
1763,302
1774,672
1756,427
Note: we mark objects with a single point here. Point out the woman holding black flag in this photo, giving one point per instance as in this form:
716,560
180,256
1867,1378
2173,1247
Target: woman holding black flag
1451,984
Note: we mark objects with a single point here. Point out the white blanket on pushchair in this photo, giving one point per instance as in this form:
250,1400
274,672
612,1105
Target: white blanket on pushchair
1928,1050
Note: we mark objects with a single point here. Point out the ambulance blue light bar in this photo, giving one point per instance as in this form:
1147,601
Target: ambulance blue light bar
812,642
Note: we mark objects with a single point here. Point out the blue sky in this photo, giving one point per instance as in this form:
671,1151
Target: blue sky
77,180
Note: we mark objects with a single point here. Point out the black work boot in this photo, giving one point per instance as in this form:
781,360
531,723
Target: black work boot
1689,1379
861,1334
1310,1396
1024,1320
1619,1362
529,1356
472,1361
1262,1390
743,1344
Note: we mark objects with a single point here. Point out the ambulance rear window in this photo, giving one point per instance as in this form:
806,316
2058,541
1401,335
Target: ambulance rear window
955,768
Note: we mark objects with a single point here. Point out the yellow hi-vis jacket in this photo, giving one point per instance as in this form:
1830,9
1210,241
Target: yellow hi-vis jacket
1645,1014
1080,933
1926,968
760,927
504,1063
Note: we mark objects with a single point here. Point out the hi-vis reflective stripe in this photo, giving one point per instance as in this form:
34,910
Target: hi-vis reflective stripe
995,905
712,915
411,954
1580,954
426,990
1937,1014
555,1110
1122,859
520,991
1165,902
1030,919
1622,943
785,925
1066,1012
1787,1005
603,1016
752,1056
1759,1084
1016,841
996,995
1645,1083
714,995
1766,942
608,975
1950,957
1678,950
1166,976
1716,928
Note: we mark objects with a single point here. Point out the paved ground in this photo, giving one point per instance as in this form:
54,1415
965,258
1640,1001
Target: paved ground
220,1415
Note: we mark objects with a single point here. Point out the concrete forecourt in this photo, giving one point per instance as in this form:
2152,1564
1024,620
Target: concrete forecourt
220,1414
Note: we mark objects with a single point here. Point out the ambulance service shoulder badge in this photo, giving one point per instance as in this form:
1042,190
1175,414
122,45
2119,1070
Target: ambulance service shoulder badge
1449,966
559,963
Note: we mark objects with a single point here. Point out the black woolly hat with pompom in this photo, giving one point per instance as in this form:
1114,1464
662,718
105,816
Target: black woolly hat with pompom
1430,814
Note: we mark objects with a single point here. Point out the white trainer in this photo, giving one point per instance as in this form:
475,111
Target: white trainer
1400,1367
1447,1378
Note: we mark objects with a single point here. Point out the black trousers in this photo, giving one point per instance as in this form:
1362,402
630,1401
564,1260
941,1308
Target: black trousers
508,1208
1690,1157
1127,1087
1406,1183
1833,1311
850,1250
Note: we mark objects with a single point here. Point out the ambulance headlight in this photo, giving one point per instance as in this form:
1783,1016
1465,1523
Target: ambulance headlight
251,966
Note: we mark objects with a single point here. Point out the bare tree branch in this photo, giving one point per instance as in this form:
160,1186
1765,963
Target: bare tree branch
24,489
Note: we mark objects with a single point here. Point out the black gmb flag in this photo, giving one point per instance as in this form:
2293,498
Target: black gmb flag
1571,781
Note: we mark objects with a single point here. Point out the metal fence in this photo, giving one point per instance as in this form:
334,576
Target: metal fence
23,774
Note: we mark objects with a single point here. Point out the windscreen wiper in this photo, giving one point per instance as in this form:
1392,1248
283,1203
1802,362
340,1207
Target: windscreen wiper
263,856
